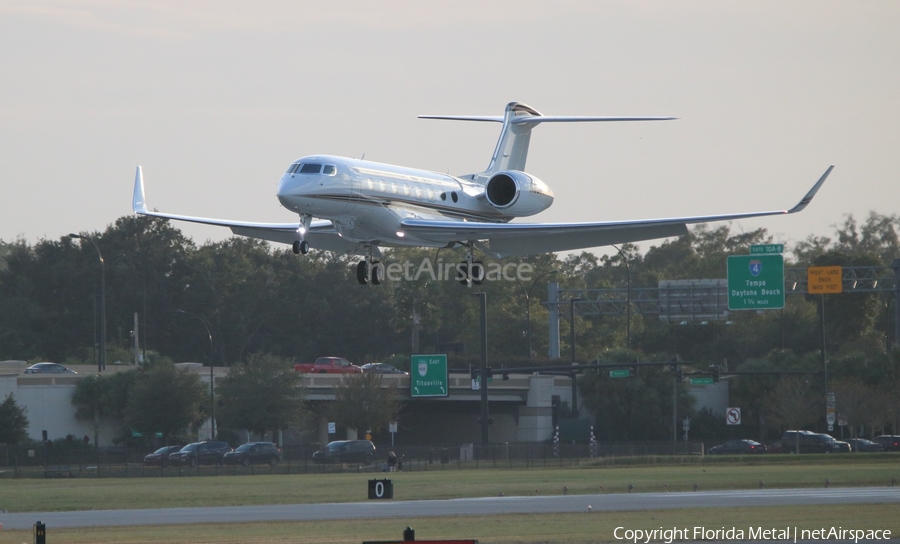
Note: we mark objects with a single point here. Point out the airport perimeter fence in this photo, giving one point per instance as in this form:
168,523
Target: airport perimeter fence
39,461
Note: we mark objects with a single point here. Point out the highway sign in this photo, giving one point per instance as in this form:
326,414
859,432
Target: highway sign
756,282
733,416
619,373
701,381
428,376
824,280
766,248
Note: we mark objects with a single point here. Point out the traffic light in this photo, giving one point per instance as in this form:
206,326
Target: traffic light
715,374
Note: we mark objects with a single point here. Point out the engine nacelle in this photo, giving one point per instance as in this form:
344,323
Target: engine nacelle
517,194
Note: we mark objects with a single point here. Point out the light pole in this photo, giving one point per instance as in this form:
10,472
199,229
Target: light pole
212,381
627,298
528,305
101,361
572,302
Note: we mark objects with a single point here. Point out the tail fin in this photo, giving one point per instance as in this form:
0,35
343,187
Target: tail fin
518,120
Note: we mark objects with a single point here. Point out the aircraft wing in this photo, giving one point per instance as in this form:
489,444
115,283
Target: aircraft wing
510,239
321,234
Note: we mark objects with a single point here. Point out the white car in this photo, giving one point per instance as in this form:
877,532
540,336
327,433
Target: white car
48,368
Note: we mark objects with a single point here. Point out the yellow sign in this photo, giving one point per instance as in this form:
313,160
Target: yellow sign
824,280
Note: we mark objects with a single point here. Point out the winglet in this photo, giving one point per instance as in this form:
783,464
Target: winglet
139,203
812,192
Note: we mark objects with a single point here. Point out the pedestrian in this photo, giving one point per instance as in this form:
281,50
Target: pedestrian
392,461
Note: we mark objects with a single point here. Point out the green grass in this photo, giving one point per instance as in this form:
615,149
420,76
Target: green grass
37,495
526,529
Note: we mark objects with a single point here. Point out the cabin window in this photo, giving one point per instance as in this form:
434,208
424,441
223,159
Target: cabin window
394,187
329,169
454,197
443,196
310,168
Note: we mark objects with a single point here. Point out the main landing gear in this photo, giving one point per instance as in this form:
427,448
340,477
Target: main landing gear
471,272
370,270
301,246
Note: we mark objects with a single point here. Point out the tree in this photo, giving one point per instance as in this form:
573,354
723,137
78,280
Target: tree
103,396
362,403
166,400
792,403
13,422
263,394
636,408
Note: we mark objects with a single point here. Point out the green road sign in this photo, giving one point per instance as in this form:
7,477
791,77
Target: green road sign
701,381
428,376
619,373
756,282
766,249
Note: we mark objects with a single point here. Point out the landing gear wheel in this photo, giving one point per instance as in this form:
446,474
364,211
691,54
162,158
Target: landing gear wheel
300,246
462,273
296,247
377,273
362,272
477,272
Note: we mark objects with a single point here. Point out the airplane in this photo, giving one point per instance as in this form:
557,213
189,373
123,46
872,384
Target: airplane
362,206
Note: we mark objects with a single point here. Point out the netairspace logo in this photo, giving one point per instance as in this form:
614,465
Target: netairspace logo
453,271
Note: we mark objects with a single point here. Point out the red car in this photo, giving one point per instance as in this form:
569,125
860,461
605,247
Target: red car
329,365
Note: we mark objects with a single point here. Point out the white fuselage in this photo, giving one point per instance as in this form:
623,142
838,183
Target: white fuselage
366,201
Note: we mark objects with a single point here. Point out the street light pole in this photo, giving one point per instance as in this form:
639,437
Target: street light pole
627,298
101,361
528,306
572,302
212,381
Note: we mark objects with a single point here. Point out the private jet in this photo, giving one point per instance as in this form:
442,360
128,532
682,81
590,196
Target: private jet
354,206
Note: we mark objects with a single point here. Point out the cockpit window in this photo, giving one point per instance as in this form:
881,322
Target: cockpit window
310,168
293,168
328,169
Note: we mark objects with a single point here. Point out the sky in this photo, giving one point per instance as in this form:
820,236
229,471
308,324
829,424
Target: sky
214,99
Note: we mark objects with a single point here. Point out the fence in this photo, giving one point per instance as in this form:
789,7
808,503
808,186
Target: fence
40,461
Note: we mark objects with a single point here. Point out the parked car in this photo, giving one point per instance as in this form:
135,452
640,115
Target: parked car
737,446
202,453
842,447
328,365
775,447
160,458
253,453
806,442
863,445
48,368
382,368
890,442
346,451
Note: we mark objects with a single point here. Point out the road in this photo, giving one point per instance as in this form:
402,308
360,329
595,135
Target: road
456,507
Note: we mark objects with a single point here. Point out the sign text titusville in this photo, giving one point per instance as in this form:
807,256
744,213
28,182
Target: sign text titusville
428,376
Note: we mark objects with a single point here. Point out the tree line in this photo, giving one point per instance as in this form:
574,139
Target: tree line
265,301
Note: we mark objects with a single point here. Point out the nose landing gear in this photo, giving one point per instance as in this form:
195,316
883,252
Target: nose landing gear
301,245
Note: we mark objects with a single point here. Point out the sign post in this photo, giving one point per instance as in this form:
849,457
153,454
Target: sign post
428,376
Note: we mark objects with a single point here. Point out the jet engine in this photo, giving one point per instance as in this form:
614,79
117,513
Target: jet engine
517,194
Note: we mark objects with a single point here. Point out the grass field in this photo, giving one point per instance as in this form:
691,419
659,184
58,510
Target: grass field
35,495
526,529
